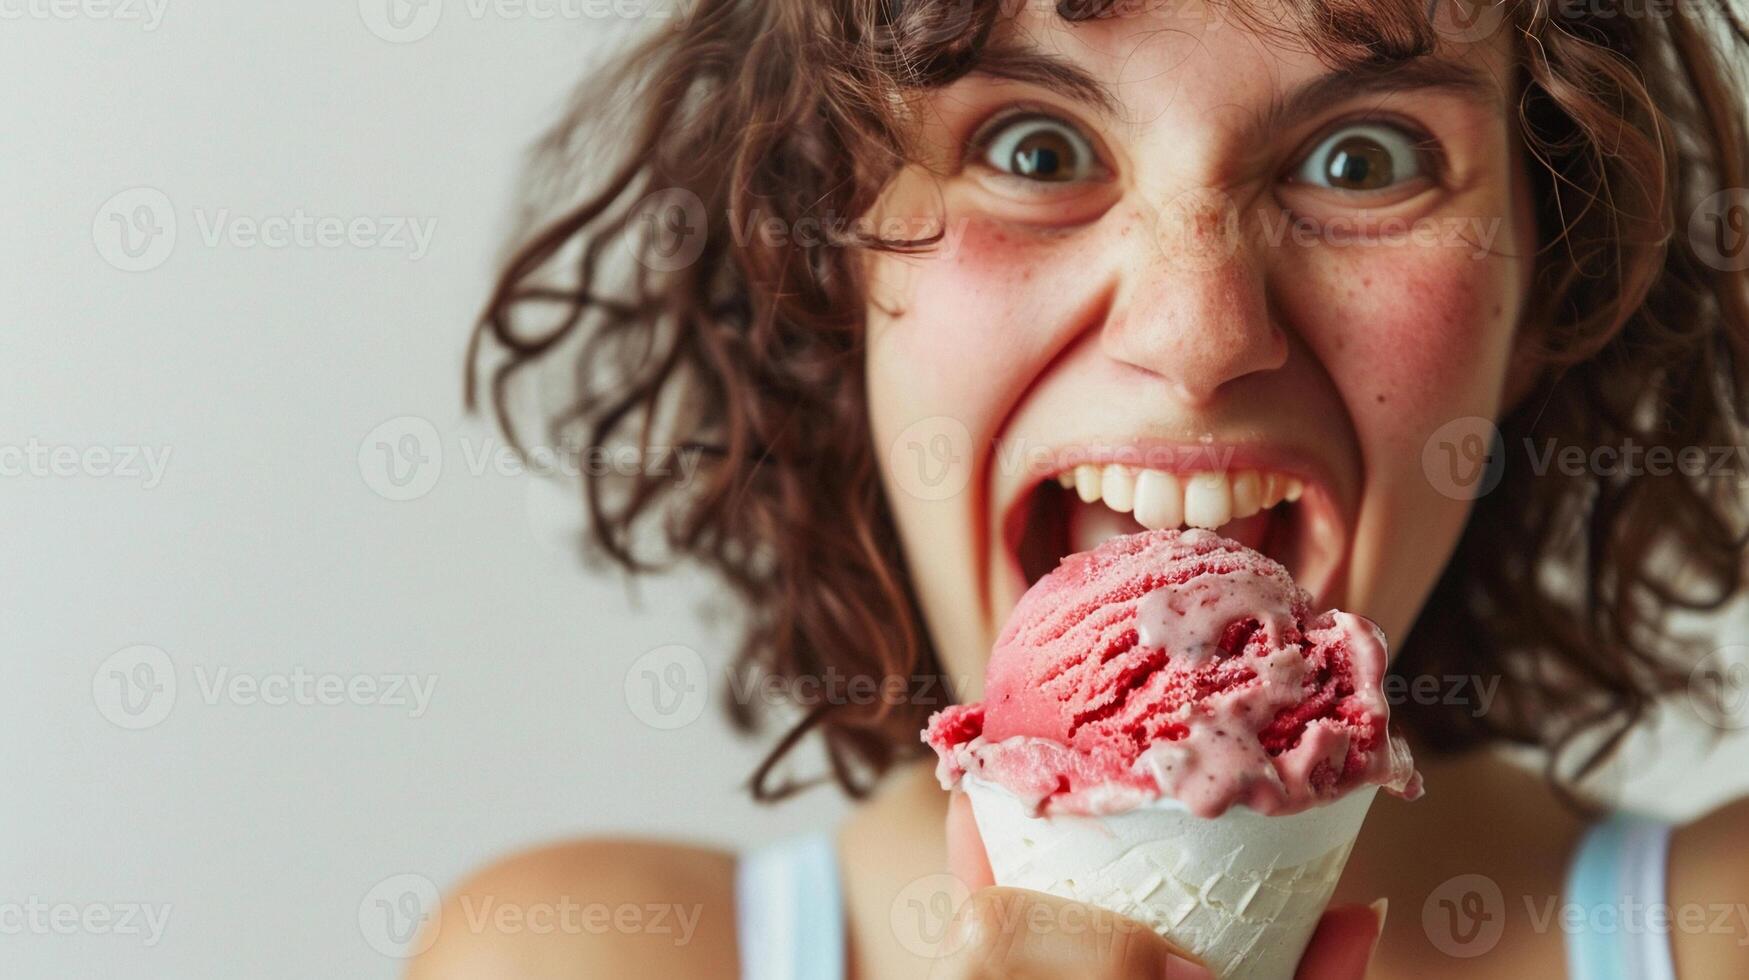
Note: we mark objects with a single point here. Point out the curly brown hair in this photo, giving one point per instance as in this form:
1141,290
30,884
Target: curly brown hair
750,349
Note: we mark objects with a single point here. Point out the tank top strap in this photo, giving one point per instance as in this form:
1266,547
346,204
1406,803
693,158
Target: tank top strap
1619,928
790,911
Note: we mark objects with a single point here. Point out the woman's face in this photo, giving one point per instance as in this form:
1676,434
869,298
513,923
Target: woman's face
1190,274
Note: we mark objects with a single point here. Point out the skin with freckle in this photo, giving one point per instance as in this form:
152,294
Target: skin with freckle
1187,273
1164,299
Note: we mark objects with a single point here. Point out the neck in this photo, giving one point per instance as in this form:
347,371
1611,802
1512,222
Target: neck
1471,800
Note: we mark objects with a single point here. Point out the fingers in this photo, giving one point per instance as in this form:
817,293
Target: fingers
1010,932
1344,942
966,859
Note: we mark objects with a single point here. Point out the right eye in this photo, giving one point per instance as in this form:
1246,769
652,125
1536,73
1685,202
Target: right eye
1040,148
1365,158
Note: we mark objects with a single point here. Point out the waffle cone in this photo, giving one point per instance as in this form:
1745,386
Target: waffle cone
1242,891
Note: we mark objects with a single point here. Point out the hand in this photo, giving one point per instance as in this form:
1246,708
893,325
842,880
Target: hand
1014,933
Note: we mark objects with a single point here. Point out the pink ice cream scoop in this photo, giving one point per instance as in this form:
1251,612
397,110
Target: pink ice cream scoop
1177,664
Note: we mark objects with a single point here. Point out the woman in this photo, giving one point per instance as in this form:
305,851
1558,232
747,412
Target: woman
949,290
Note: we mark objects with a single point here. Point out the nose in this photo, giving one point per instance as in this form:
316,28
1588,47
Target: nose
1193,307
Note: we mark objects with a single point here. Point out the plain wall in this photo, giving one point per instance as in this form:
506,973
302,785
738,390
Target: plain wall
320,514
261,552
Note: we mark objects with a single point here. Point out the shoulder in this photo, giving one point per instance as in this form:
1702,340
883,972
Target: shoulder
1709,886
588,908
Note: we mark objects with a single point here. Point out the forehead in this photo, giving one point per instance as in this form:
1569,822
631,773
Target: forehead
1145,58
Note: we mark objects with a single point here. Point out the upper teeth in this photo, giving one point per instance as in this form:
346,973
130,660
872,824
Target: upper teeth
1167,500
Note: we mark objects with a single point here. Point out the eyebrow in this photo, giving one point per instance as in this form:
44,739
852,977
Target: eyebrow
1018,64
1029,66
1422,73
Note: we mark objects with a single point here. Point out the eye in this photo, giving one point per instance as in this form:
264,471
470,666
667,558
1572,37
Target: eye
1040,148
1364,157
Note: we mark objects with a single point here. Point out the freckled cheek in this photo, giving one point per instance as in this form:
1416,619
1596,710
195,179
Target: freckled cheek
968,323
1415,337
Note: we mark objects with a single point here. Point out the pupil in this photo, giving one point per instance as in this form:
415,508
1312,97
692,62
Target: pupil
1039,162
1361,164
1043,155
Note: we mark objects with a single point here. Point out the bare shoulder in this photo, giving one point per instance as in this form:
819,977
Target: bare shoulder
589,908
1709,893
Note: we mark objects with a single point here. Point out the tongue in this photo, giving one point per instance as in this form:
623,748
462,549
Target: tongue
1091,525
1251,531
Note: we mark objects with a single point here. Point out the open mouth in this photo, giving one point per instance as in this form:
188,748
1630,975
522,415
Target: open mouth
1286,516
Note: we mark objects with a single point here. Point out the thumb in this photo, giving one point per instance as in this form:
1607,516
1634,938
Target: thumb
966,859
1343,944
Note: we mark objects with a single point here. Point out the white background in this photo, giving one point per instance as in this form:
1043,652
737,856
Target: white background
272,376
263,551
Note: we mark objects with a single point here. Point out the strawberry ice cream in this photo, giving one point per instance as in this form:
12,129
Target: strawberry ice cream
1181,665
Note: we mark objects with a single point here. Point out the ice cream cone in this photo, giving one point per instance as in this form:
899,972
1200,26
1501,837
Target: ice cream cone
1242,891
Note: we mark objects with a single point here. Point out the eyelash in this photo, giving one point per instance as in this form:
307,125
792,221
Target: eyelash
978,147
984,135
1423,142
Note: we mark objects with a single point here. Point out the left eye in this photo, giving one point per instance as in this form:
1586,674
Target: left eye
1366,157
1041,148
